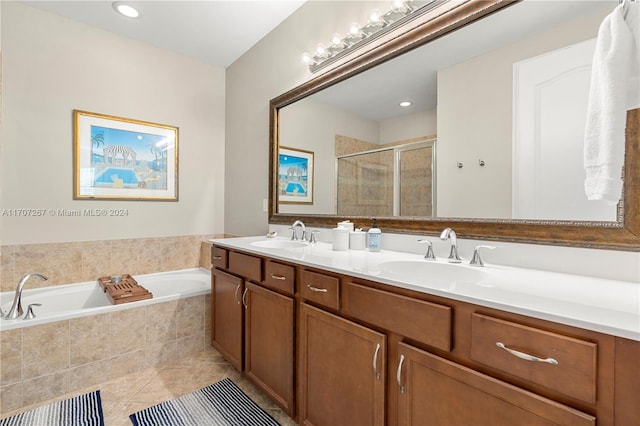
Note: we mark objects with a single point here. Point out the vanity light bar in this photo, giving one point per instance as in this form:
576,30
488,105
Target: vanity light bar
401,12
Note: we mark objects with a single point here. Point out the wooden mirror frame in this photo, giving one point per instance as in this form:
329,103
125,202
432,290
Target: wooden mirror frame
623,234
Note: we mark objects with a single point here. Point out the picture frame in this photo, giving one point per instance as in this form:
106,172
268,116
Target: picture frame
118,158
295,176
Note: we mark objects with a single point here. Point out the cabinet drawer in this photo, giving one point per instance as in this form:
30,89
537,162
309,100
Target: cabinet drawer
438,391
561,363
427,322
219,257
320,288
245,265
279,277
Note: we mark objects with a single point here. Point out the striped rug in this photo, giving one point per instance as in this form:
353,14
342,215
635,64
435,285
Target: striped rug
83,410
219,404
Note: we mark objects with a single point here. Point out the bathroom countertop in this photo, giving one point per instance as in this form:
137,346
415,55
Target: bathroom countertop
607,306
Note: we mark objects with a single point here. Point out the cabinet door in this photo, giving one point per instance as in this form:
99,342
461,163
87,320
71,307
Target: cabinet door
434,391
269,358
227,316
343,371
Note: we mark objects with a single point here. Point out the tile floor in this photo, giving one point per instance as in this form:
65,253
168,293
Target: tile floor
137,391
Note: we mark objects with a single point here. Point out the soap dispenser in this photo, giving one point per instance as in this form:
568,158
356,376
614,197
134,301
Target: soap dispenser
374,235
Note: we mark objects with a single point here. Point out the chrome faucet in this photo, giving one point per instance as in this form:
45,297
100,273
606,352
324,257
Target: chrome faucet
16,307
449,233
294,233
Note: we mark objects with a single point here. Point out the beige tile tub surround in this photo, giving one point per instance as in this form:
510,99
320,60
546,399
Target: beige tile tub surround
80,261
44,361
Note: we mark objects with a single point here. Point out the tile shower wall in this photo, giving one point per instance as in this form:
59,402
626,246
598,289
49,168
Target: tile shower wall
73,262
41,362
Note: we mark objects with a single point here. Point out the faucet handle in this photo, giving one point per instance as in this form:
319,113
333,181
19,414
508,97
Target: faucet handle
30,314
476,260
294,234
312,236
429,255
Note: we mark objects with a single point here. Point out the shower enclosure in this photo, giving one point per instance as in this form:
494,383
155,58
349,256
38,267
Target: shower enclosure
391,181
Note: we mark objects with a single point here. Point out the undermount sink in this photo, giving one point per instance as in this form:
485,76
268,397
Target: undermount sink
423,270
278,244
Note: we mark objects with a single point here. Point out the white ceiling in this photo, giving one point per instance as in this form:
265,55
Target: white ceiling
215,32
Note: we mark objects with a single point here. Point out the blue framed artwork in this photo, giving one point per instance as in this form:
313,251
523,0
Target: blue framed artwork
118,158
295,176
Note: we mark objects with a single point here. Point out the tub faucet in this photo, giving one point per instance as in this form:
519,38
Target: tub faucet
449,233
294,233
16,307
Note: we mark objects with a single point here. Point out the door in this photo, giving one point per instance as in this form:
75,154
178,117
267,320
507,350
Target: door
227,316
269,360
343,371
551,93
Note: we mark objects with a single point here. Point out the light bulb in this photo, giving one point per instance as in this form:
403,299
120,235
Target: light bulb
336,39
399,6
306,57
374,16
320,50
354,29
126,10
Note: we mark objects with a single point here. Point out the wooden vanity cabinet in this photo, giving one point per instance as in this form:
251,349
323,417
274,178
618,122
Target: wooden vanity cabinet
332,349
436,391
253,321
342,371
269,342
227,316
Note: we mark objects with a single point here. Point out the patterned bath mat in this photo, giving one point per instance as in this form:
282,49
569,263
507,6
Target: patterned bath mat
219,404
83,410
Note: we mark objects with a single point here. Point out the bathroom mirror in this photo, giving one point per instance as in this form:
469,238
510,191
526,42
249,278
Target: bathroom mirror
478,200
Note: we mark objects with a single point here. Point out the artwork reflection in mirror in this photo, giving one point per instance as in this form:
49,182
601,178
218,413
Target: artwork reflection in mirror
295,176
510,90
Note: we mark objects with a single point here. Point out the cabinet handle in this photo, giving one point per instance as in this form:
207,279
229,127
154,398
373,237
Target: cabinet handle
399,374
316,289
244,298
278,277
375,361
217,257
525,356
236,294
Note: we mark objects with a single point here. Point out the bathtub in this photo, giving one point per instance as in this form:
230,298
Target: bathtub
69,301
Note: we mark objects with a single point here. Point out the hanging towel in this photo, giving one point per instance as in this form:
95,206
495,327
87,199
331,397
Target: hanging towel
614,89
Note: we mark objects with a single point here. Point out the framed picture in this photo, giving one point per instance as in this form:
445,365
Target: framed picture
119,158
295,176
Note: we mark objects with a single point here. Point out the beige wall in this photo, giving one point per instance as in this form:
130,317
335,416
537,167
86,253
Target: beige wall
270,68
320,139
52,65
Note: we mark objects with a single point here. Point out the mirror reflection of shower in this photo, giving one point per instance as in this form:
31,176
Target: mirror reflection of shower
396,180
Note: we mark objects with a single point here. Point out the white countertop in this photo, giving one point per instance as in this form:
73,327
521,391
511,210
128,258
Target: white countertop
607,306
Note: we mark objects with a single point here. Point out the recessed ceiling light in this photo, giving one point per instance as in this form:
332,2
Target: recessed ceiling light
405,104
126,9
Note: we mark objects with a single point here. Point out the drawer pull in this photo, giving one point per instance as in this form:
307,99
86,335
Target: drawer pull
525,356
375,361
316,289
278,277
399,374
236,294
217,257
244,298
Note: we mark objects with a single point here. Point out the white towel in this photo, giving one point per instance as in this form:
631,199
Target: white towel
614,89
